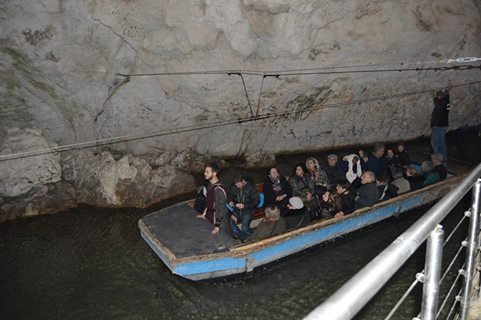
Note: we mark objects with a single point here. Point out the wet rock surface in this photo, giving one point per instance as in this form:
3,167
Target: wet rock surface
59,73
61,59
64,180
26,173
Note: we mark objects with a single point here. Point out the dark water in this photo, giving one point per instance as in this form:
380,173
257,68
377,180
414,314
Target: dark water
91,263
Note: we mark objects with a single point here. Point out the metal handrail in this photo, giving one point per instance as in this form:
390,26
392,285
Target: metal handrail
346,302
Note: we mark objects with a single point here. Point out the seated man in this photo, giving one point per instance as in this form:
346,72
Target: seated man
333,171
272,224
438,162
243,198
367,194
347,199
377,163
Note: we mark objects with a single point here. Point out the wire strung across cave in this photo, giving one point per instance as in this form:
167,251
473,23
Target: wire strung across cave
438,65
134,137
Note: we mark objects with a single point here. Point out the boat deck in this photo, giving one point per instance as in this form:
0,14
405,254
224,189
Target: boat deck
187,247
178,229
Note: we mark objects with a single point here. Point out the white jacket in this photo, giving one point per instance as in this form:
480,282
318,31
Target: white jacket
350,174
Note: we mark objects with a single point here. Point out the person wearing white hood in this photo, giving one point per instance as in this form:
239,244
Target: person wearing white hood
351,165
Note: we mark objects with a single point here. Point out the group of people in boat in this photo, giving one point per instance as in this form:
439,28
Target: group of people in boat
313,191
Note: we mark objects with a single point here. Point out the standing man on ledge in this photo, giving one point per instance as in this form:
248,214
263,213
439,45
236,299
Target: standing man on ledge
215,210
440,122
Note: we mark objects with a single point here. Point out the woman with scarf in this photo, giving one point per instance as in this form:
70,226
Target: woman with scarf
317,175
277,190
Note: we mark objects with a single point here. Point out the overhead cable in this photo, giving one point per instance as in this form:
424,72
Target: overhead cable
440,65
185,129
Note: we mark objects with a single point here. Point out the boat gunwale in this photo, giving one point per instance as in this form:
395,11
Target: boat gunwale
246,248
165,250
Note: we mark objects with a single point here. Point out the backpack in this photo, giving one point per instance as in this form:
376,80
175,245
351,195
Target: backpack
200,200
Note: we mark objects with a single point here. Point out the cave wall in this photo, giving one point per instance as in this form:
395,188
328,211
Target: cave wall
61,59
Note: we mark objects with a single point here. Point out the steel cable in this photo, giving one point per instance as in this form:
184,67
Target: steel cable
126,138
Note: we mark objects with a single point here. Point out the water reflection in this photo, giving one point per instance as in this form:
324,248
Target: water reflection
91,263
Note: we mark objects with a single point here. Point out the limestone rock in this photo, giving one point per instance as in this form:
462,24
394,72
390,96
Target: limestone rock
260,159
189,160
60,63
60,60
45,199
101,180
21,175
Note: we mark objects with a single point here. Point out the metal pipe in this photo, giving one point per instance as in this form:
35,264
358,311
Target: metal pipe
432,267
354,294
477,211
471,251
247,94
260,95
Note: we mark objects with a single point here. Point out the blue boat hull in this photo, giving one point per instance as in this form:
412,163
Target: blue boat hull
245,258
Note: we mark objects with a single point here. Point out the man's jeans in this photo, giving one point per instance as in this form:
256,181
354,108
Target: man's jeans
438,142
245,220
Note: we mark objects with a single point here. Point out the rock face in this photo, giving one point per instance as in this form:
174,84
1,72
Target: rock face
25,174
128,182
62,181
60,61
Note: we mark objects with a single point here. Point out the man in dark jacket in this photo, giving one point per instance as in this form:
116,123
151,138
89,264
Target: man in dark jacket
333,171
243,198
439,123
367,194
347,198
377,163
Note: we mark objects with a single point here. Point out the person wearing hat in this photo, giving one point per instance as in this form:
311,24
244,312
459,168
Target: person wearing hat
440,122
295,203
297,215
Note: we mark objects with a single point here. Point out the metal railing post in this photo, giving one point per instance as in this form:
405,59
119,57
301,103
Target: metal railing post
471,250
346,302
476,209
432,271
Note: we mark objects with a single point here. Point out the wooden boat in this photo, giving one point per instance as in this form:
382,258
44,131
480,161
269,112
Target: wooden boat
187,247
